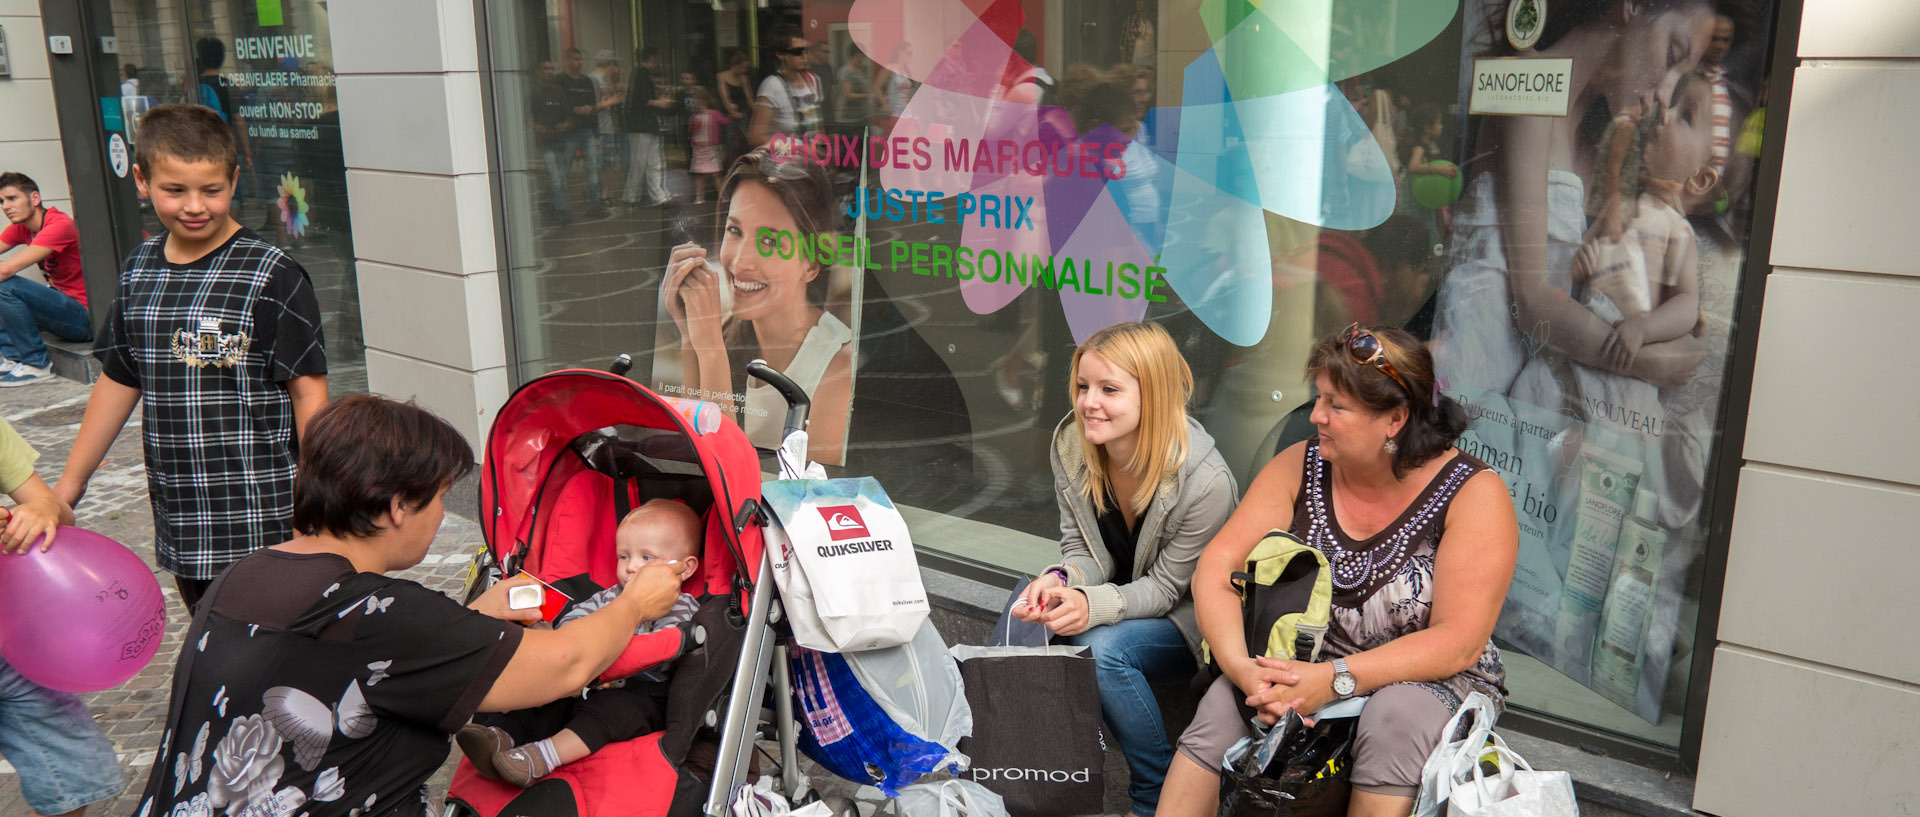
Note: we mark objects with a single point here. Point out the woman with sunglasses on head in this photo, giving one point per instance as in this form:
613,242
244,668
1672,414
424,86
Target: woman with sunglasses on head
765,299
1141,491
1422,540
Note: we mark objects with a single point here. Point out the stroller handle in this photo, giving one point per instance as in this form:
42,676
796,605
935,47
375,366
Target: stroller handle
797,400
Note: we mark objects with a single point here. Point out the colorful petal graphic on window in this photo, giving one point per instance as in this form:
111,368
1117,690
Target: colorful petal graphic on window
1260,132
293,206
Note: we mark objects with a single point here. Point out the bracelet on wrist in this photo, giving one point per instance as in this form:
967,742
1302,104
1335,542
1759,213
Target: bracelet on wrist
1056,571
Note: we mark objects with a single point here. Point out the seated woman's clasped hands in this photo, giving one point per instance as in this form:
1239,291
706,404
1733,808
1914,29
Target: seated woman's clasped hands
1421,539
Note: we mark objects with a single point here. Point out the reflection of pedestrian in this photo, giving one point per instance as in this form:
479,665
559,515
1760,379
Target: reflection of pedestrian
582,102
778,304
790,100
853,84
610,141
897,89
211,55
736,98
646,119
703,135
551,122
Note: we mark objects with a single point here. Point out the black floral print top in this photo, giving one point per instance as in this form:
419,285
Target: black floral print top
315,689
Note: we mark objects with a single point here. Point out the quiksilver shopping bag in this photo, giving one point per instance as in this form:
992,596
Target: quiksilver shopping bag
845,564
1037,738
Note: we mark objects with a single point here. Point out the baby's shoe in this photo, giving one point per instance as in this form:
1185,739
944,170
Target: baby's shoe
481,744
523,765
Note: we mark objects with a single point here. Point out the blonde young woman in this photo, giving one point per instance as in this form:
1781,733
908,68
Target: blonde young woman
1141,491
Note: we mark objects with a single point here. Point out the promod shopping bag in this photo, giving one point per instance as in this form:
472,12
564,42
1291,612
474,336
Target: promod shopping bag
844,563
1037,739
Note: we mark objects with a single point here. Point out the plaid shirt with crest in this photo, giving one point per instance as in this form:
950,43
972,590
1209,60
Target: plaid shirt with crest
210,344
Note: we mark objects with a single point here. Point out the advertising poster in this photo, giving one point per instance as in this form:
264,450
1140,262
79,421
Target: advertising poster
1594,262
778,284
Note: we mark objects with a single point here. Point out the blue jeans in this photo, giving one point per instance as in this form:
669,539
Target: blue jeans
62,759
1127,657
559,158
26,307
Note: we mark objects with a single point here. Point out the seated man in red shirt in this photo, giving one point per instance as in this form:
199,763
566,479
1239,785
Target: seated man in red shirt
47,238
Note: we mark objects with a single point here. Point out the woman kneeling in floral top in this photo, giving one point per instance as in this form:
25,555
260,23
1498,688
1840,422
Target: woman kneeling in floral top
314,683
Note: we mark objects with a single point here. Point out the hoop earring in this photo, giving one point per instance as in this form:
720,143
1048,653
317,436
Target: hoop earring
1390,447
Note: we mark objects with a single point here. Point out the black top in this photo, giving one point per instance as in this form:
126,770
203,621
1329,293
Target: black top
317,689
1120,539
580,93
550,112
640,114
211,344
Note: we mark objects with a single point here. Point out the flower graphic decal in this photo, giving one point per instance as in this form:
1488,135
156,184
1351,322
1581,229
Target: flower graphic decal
1259,136
293,205
246,765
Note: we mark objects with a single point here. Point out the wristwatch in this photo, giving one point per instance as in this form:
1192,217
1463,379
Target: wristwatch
1343,683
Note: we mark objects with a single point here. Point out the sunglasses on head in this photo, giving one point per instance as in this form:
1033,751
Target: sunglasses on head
1367,350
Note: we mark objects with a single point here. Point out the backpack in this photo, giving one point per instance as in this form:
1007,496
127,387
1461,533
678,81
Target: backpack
1286,598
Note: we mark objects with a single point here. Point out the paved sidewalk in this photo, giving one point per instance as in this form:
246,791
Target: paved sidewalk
133,714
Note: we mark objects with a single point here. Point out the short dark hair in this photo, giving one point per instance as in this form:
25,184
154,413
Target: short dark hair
184,133
1434,421
360,453
18,181
783,37
209,52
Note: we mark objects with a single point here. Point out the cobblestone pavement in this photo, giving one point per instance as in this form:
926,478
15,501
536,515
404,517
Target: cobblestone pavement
133,714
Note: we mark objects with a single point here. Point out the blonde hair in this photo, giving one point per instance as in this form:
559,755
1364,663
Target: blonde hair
1147,352
676,516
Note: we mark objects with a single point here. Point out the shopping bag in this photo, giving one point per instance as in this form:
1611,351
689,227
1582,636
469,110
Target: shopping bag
763,800
1012,632
1517,791
1456,753
894,718
1291,769
844,563
1037,739
950,798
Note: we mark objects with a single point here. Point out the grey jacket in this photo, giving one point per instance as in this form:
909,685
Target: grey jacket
1187,510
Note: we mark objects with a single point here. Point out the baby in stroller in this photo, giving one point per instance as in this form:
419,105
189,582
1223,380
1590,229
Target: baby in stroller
522,746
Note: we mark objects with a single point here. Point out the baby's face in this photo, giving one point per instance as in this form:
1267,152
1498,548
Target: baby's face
640,544
1681,142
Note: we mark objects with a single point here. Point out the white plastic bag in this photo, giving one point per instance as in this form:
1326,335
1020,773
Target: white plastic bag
1453,759
918,685
950,798
1517,791
845,565
761,799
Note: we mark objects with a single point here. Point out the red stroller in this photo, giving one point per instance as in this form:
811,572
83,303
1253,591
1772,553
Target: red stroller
568,455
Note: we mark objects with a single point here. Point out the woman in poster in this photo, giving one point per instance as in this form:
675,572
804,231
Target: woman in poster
763,298
1508,296
1518,334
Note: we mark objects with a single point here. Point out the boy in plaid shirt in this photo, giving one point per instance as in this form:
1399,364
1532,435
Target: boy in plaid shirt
219,331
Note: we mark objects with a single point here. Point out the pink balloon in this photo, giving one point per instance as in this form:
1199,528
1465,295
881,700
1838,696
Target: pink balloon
81,617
